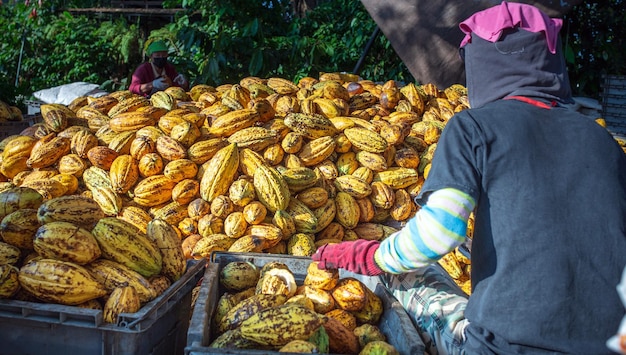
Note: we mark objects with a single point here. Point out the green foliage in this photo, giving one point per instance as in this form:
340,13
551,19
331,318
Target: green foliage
217,42
235,39
59,48
595,36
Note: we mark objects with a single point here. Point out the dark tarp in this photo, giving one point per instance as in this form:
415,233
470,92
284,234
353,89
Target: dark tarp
426,36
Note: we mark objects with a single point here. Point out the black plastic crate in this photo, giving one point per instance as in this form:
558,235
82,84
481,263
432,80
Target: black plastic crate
394,323
158,328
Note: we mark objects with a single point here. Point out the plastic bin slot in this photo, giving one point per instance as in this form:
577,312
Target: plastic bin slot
50,313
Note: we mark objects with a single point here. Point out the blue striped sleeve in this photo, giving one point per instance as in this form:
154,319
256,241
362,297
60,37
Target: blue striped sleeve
435,230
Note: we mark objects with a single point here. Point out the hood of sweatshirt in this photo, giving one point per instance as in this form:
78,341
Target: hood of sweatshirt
516,62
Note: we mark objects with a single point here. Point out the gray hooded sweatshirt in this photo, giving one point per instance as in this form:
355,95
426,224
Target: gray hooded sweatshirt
549,242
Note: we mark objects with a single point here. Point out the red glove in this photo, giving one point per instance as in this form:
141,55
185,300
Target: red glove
355,256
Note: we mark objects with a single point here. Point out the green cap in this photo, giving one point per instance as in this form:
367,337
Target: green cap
156,46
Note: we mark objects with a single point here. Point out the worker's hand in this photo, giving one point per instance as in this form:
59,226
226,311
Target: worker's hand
160,83
180,80
355,256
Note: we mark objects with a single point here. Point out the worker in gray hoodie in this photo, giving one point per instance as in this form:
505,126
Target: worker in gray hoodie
547,187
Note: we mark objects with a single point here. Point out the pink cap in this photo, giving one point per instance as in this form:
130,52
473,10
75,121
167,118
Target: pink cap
488,24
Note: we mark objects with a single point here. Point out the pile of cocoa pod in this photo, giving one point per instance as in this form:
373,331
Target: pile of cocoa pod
65,250
265,308
262,165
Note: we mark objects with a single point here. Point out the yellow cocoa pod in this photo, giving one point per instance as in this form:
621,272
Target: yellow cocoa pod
203,150
121,300
55,116
322,299
346,318
403,207
198,208
66,241
271,188
311,126
123,242
12,165
233,121
170,149
366,208
109,201
382,195
69,181
369,231
254,212
348,211
48,152
317,150
171,212
142,145
153,190
347,163
323,279
9,254
273,154
292,143
270,233
247,244
366,139
250,161
186,133
122,141
167,122
283,220
101,157
128,105
18,146
9,281
277,326
150,164
209,244
397,177
76,209
282,86
48,188
170,246
210,224
353,186
300,178
135,216
180,169
130,121
313,197
112,274
187,227
350,294
17,198
373,161
220,172
235,225
371,312
333,231
301,244
186,191
222,206
59,282
254,138
82,141
162,99
325,214
124,173
72,164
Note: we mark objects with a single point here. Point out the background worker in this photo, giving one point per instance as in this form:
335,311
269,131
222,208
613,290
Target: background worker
157,74
547,186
